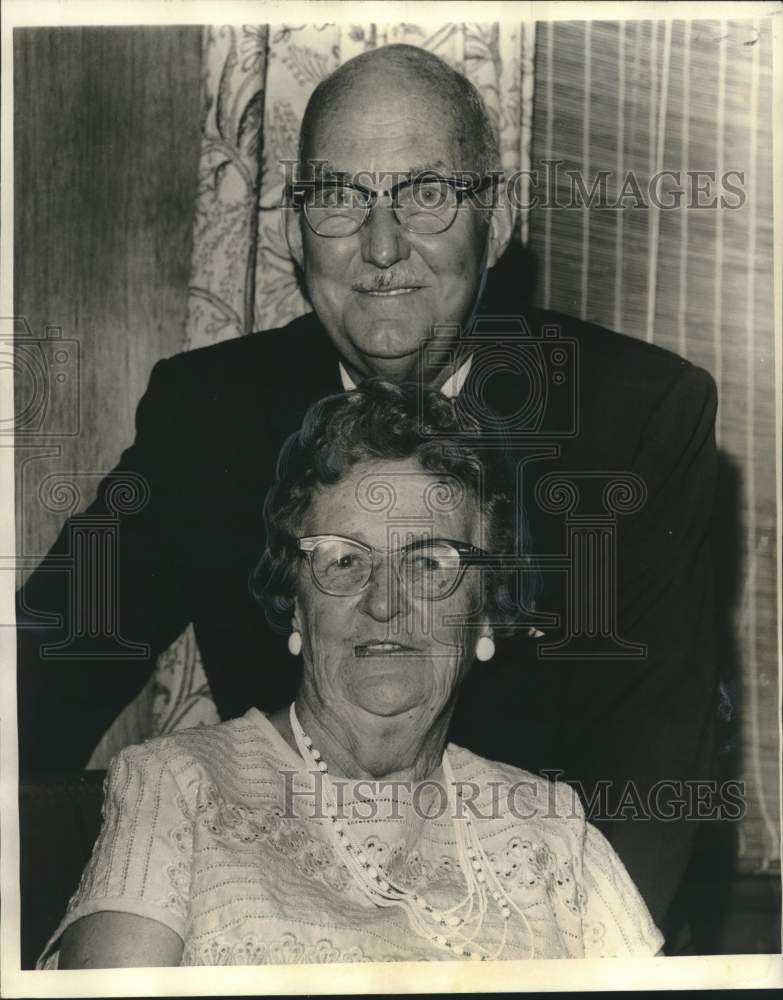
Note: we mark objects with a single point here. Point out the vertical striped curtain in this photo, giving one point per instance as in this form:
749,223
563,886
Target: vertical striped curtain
649,96
256,80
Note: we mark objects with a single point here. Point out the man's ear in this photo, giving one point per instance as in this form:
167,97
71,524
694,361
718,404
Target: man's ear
501,226
293,234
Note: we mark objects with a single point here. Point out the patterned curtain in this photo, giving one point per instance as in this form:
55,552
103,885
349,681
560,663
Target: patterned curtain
256,81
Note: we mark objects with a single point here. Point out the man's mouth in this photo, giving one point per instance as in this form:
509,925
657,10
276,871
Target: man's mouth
382,649
387,291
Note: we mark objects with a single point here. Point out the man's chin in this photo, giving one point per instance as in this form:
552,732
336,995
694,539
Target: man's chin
404,369
390,349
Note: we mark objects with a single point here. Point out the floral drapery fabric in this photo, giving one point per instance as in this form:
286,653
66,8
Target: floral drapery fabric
256,80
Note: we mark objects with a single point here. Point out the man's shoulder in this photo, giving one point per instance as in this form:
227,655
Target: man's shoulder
597,391
300,343
615,370
608,350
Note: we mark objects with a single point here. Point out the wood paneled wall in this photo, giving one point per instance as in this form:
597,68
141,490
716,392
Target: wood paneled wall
105,169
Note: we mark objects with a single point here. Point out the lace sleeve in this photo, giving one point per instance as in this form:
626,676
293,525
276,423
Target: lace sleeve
141,860
615,921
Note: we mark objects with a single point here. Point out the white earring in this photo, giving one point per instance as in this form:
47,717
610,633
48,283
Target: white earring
295,643
485,648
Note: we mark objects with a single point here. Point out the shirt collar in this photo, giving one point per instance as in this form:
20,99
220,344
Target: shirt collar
451,387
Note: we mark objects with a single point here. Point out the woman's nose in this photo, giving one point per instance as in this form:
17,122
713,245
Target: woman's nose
384,598
384,241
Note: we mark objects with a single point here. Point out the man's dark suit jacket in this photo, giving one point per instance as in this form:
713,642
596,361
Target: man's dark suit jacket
208,432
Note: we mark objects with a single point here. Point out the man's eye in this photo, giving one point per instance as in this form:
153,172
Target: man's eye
335,198
430,195
345,562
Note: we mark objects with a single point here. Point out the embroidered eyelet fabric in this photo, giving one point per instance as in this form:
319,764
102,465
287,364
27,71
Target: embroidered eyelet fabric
215,832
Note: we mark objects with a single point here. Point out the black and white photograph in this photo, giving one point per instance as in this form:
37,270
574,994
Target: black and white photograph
391,465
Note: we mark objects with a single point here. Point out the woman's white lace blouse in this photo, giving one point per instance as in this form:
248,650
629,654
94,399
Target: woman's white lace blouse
214,832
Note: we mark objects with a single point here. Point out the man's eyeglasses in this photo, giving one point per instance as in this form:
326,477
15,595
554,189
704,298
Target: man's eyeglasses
426,204
429,568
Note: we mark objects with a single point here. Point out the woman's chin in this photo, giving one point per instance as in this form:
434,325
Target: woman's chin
387,695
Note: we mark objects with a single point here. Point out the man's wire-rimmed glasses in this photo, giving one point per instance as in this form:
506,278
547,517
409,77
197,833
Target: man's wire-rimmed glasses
429,568
426,204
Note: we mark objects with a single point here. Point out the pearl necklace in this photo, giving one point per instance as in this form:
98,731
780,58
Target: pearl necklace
454,929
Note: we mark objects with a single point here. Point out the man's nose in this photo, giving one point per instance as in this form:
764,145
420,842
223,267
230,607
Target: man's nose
384,598
384,241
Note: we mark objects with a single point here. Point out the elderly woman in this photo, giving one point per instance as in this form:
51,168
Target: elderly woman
343,827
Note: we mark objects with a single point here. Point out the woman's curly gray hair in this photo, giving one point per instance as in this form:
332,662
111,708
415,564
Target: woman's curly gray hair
384,420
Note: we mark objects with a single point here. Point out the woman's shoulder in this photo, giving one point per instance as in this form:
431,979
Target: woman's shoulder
540,834
515,792
235,752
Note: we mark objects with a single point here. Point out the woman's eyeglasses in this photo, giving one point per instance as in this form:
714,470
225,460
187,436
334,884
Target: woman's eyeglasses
426,204
430,569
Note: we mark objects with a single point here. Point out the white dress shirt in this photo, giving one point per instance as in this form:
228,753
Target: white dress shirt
451,387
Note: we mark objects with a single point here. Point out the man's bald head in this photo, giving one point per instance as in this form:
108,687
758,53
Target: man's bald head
394,74
386,288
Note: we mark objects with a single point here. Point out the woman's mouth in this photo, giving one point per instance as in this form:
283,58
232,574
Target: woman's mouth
382,649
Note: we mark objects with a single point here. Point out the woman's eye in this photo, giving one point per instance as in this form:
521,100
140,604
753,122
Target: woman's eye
428,563
341,562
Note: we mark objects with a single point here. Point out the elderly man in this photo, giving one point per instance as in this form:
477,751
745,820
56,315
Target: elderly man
394,248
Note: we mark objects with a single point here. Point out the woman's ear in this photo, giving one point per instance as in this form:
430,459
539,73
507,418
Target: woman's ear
485,644
295,635
296,618
292,227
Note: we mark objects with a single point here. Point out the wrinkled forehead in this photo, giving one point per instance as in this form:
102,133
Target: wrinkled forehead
401,497
410,132
410,495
